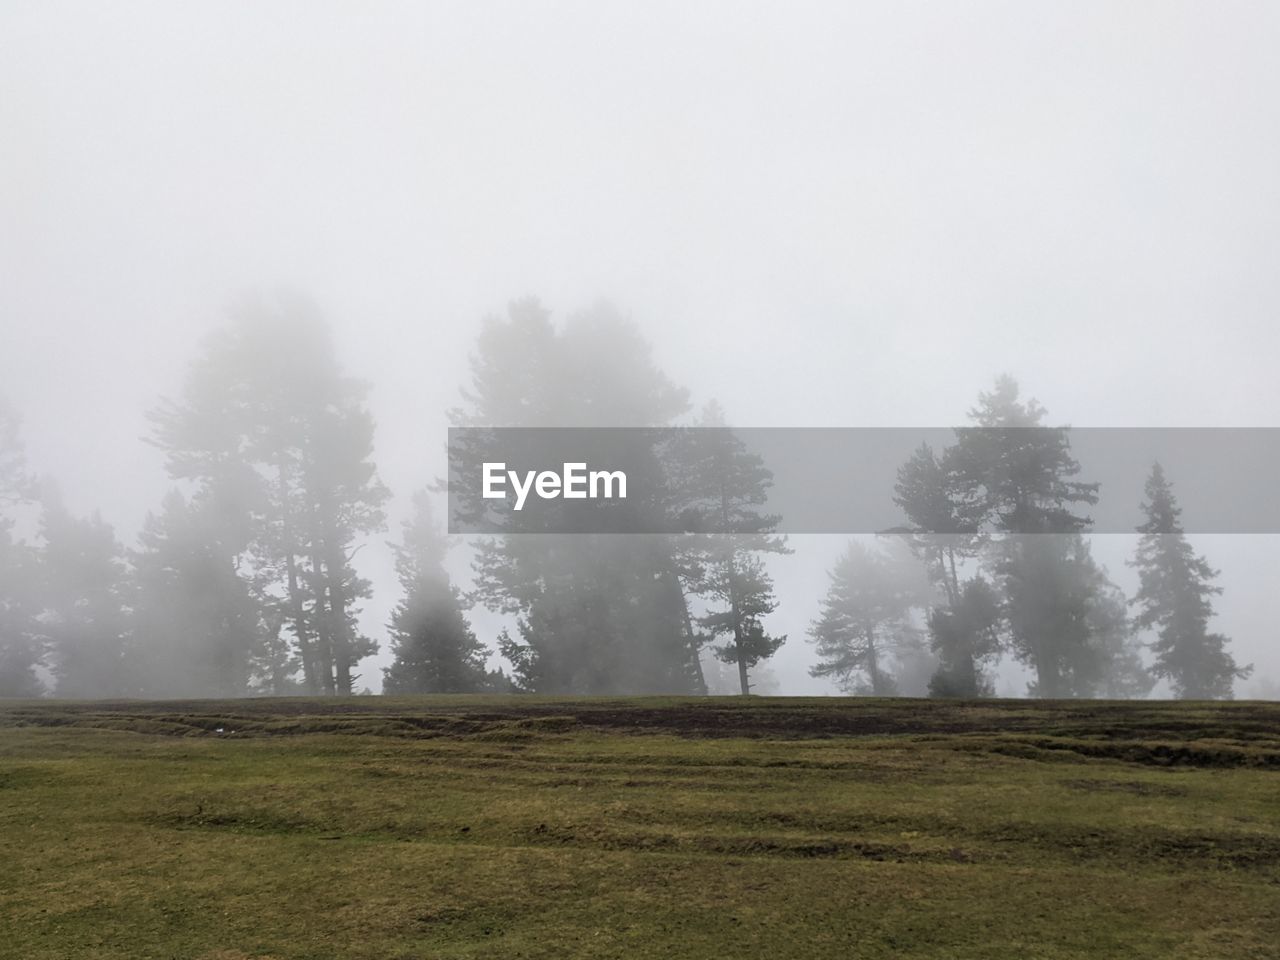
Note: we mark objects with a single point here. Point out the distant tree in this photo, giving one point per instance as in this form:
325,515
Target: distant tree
596,613
866,620
435,650
21,639
85,605
1020,473
741,585
718,488
197,624
945,515
279,445
1123,674
1174,599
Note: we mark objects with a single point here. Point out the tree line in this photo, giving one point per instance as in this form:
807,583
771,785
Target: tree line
998,519
244,579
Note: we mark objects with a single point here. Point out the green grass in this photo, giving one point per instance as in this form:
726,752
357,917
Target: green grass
529,827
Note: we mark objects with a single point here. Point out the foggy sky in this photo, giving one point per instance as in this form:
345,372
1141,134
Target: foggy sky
819,215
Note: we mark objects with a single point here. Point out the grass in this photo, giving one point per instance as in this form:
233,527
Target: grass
458,827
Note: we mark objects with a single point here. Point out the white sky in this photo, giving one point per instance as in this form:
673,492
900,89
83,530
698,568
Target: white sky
822,214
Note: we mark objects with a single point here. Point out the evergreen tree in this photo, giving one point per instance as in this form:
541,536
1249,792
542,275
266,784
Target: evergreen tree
1123,674
1174,599
1020,474
279,444
435,650
739,582
945,515
596,613
85,605
866,620
718,488
22,644
197,625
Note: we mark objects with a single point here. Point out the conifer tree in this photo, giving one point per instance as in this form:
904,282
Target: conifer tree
718,488
278,443
596,613
86,610
866,620
22,643
1021,474
435,650
1175,599
945,517
197,624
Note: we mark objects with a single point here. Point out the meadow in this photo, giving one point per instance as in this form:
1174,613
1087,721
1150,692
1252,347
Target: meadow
451,827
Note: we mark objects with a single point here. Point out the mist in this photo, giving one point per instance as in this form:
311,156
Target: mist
815,217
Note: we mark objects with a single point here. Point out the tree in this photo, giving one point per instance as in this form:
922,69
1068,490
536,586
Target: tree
197,625
866,619
21,641
1123,675
718,488
1018,474
435,650
278,443
740,583
596,613
1174,599
945,515
85,609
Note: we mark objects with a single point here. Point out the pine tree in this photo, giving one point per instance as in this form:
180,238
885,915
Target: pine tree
718,488
1020,474
945,517
435,650
1174,599
86,605
739,582
866,620
22,643
279,445
197,624
596,613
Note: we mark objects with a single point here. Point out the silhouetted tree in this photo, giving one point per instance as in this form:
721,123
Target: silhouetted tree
718,487
866,619
597,613
1174,599
279,444
740,584
435,650
1019,473
945,513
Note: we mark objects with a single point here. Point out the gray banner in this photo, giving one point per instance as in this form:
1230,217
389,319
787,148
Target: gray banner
835,480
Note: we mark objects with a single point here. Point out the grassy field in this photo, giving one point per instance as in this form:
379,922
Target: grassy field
526,827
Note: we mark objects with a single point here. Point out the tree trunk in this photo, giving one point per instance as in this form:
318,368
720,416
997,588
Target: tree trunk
338,619
699,678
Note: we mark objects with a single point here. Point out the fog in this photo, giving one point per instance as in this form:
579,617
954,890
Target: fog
816,216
